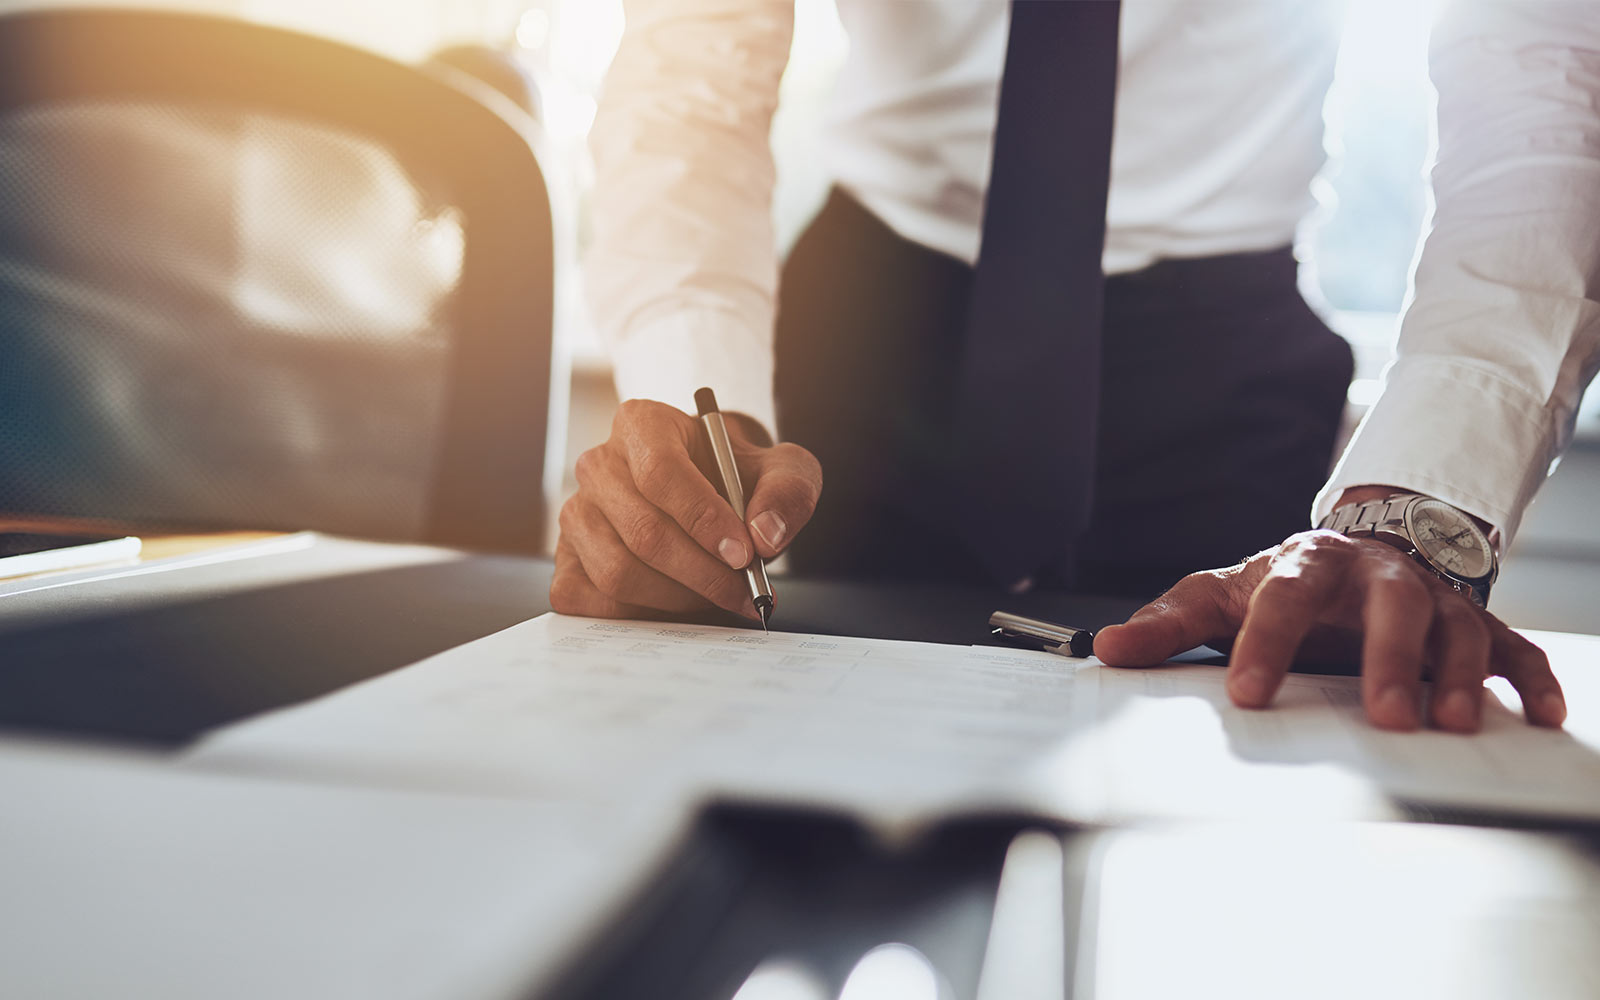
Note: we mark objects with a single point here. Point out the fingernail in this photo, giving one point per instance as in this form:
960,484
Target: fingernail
769,527
1251,686
1554,707
1456,710
1395,709
734,553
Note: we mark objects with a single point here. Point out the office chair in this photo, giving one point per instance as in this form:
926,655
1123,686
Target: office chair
254,278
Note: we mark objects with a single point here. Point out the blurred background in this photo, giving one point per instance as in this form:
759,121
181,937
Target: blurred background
1356,252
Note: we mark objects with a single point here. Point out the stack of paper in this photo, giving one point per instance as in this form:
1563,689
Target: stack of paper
902,734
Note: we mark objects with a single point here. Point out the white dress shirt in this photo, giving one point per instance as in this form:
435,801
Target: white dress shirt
1218,135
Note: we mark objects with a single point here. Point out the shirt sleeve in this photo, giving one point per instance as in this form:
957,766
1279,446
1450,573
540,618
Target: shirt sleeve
1502,332
682,269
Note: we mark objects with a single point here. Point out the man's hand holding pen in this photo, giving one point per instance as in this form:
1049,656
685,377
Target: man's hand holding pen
647,534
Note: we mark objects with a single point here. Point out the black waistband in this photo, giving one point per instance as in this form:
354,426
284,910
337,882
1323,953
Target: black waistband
1202,280
1192,280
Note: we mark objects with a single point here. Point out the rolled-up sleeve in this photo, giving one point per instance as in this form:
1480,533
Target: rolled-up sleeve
682,268
1502,332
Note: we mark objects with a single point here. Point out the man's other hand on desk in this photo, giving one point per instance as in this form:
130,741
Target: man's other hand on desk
648,534
1321,592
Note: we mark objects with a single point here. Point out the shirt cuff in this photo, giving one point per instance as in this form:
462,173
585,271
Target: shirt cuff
666,358
1454,430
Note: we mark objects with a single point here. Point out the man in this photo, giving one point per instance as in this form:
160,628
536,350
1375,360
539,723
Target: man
953,434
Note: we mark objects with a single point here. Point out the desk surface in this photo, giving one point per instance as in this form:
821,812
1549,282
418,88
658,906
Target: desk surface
162,657
154,546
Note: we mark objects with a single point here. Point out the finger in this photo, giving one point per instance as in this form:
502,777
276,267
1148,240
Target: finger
1195,611
785,489
572,593
1459,642
628,579
630,552
1397,613
655,445
1528,669
649,534
1300,582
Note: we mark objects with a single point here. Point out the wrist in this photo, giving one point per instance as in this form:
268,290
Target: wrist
1446,541
1362,494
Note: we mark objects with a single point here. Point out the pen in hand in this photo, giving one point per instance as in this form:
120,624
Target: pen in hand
726,480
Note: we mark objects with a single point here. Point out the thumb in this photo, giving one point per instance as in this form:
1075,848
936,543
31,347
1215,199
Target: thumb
1195,611
788,484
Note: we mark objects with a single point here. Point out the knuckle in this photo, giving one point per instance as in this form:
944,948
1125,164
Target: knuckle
1381,554
609,573
642,418
631,412
701,520
646,536
1263,558
587,466
1288,588
803,461
1203,582
570,520
1208,591
1399,582
1320,547
566,592
1302,540
794,493
1231,588
652,474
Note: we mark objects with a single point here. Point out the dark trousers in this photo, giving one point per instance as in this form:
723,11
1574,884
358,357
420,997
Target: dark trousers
1221,396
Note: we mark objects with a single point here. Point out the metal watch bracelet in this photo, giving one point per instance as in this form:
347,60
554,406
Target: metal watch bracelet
1384,520
1361,520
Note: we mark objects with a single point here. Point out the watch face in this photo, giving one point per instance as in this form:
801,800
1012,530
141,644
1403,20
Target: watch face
1450,540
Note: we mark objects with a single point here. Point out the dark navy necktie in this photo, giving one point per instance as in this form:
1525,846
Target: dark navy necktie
1029,389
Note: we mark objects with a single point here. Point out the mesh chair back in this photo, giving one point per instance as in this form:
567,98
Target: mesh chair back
249,277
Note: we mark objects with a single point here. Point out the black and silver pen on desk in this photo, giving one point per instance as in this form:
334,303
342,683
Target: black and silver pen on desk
1052,638
726,480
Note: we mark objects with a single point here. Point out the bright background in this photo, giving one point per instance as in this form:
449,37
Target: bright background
1356,250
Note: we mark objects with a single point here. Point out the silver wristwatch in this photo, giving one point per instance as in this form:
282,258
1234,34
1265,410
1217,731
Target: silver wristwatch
1445,541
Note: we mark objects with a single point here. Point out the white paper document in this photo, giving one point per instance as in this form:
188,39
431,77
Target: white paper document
1169,742
564,707
125,876
899,733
